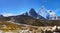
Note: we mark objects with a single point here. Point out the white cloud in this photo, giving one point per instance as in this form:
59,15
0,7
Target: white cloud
8,14
11,14
21,13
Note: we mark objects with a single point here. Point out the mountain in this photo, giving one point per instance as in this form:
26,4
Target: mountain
34,14
2,18
31,18
43,11
23,19
28,20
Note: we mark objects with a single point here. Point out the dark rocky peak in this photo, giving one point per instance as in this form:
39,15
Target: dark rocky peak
33,13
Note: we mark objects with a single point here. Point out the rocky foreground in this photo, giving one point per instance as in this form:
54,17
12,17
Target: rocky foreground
11,27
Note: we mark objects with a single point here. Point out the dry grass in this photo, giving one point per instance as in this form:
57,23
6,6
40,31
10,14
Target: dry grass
14,27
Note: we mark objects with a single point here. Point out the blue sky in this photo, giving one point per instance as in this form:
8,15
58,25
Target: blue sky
20,6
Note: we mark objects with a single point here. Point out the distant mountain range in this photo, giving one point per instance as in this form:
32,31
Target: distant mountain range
34,14
30,18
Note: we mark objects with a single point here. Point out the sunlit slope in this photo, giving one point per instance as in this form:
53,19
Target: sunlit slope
8,26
